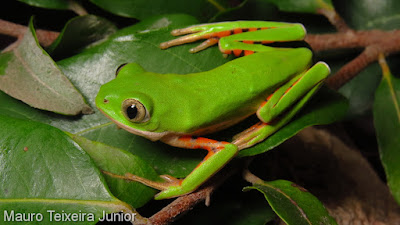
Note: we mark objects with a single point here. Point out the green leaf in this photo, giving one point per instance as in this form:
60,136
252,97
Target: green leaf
360,90
30,75
324,108
293,204
49,4
80,32
304,6
384,14
387,124
42,169
142,9
118,161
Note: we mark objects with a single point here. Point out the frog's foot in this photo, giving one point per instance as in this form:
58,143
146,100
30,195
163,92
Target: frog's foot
252,135
168,181
211,32
171,187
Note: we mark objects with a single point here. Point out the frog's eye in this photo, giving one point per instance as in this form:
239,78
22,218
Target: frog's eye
119,68
135,111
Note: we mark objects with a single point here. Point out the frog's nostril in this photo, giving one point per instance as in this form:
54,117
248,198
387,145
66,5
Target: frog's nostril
105,101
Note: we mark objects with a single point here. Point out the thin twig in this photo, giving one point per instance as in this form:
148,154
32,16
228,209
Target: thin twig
373,42
354,67
335,19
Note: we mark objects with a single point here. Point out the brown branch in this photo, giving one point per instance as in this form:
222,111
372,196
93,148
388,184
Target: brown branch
180,205
45,37
373,42
354,67
354,39
335,19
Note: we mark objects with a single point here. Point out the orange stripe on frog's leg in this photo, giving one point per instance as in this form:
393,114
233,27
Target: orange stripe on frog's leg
248,42
290,87
237,52
267,99
219,34
248,52
192,142
237,30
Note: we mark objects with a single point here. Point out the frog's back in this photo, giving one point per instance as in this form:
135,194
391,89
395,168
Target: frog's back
230,92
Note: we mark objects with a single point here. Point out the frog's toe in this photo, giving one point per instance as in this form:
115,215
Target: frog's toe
181,40
251,136
207,43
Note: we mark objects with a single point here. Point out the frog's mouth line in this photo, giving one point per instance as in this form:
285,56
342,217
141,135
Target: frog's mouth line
153,136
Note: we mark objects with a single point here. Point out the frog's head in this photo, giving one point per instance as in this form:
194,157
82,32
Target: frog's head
130,109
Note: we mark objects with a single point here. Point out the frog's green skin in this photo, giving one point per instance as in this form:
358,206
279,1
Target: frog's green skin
274,83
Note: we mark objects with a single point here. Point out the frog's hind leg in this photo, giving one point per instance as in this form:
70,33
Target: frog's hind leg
252,41
219,153
282,105
232,35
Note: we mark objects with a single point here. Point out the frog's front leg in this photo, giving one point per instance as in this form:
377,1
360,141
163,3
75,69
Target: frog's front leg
282,105
219,153
238,38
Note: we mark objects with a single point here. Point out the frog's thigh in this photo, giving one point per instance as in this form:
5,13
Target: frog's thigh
273,117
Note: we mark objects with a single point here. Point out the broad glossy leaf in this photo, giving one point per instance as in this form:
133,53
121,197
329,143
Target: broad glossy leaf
294,204
80,32
364,14
142,9
30,75
387,125
42,169
118,161
304,6
49,4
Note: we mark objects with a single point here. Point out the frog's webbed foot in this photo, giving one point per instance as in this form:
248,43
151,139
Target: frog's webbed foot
168,181
252,135
171,187
193,33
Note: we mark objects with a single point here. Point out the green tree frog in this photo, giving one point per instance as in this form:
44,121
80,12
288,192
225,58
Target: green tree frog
273,83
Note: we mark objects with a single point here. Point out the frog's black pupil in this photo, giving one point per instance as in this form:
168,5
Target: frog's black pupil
132,111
